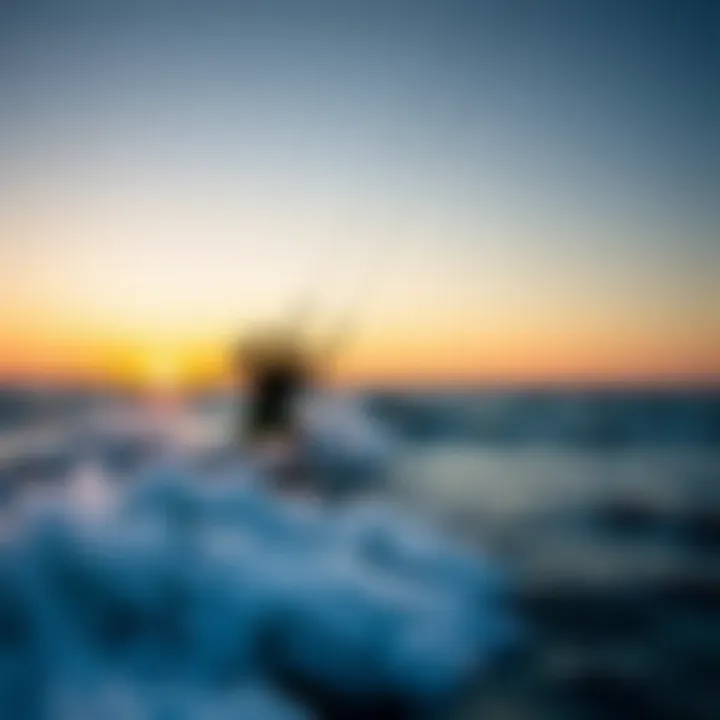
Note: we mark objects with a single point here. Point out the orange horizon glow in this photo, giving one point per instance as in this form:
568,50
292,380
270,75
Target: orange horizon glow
387,358
177,342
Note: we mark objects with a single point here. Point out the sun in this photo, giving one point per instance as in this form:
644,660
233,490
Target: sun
162,371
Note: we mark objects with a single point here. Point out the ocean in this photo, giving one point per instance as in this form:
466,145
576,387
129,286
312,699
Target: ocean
601,508
606,506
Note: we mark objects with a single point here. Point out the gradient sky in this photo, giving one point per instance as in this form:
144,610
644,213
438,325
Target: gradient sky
499,190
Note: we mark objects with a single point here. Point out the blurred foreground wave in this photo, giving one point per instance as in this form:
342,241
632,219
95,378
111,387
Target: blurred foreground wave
181,593
603,507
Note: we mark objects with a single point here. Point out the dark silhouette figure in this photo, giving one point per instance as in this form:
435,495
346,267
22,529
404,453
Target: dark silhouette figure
280,366
277,373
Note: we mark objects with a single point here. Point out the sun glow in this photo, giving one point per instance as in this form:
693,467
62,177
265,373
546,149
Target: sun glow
162,371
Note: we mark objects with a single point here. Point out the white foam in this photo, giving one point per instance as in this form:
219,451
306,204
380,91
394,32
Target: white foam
191,580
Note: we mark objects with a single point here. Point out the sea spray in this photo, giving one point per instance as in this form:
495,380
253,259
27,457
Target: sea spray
218,586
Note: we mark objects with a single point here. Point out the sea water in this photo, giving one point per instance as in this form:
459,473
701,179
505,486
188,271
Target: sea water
579,529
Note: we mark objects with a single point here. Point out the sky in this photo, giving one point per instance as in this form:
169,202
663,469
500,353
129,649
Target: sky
493,191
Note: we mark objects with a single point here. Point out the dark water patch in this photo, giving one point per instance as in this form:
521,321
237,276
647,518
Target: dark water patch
632,514
586,614
604,693
701,528
696,591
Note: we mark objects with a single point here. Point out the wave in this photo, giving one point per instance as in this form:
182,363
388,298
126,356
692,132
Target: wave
215,597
